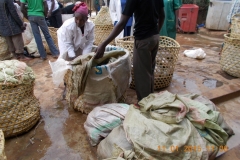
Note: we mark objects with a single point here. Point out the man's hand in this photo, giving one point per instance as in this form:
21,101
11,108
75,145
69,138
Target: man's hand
100,51
23,27
49,14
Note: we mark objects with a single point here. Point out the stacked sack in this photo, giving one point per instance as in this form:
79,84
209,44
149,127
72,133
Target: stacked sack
166,126
19,108
230,57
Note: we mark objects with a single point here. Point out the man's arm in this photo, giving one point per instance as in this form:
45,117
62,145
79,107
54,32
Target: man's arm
13,12
51,9
115,32
24,10
45,8
161,19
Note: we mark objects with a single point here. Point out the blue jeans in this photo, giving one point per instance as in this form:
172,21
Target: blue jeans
36,22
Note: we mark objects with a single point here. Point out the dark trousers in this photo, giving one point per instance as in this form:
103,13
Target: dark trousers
144,55
56,19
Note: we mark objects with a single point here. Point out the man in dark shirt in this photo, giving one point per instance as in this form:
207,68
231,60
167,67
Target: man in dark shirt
149,17
68,9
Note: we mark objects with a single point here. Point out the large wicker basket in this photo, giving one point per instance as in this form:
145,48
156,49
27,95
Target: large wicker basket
4,53
230,58
103,26
19,108
2,143
165,60
235,26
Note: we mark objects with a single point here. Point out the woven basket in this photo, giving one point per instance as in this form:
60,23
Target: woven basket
165,60
103,26
230,57
19,108
4,53
235,26
2,143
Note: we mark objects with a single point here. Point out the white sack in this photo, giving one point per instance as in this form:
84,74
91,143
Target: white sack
103,119
197,53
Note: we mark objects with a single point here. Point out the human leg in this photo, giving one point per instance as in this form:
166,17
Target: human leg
10,44
43,26
142,68
11,47
144,55
58,16
56,19
155,43
18,43
36,33
19,47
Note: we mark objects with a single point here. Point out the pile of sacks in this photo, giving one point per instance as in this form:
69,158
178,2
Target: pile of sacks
166,126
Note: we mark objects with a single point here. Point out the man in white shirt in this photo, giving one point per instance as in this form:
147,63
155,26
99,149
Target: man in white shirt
54,14
76,35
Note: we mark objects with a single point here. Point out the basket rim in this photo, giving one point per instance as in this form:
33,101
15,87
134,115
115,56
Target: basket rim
121,40
228,36
235,15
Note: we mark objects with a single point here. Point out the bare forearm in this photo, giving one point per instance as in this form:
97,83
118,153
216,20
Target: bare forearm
24,10
52,7
161,19
45,8
176,16
160,24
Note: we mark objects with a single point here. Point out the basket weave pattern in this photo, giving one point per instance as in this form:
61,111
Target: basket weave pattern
230,58
235,26
165,60
19,108
69,85
2,143
103,26
101,33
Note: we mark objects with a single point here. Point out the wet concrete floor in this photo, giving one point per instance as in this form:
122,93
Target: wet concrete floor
60,134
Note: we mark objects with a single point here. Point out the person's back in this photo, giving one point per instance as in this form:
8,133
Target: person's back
36,12
146,14
10,24
68,9
35,7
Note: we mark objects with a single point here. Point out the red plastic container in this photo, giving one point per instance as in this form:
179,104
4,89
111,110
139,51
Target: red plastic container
188,15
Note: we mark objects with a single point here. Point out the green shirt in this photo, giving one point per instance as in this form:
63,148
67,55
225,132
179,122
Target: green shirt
34,7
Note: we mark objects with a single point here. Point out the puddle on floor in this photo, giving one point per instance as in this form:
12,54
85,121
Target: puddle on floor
212,83
189,84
